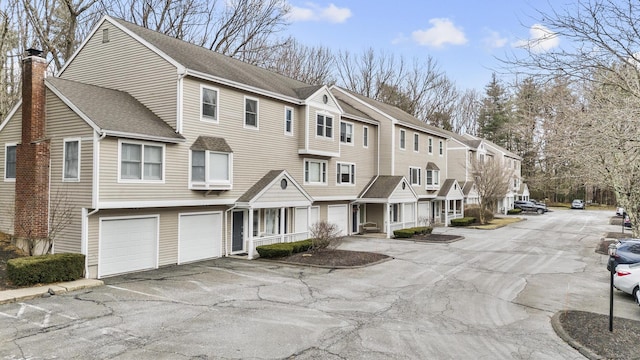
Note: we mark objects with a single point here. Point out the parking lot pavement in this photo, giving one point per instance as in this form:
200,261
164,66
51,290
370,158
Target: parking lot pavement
490,295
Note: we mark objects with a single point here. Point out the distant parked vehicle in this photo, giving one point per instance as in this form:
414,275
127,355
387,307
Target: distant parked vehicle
626,221
529,206
627,279
619,211
627,252
578,204
539,203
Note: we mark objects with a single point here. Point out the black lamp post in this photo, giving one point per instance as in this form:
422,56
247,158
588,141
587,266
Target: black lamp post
612,270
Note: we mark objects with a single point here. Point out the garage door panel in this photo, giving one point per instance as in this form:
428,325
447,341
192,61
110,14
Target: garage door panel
200,236
338,215
128,245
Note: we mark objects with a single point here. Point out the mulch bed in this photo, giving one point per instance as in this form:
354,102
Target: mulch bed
591,330
334,258
433,238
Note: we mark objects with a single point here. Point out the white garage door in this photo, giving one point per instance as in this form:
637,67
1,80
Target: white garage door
127,245
338,214
200,236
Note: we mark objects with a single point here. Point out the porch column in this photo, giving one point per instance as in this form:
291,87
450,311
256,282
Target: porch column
308,222
252,247
282,229
387,222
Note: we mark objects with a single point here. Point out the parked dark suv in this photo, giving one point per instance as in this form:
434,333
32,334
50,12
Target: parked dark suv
529,206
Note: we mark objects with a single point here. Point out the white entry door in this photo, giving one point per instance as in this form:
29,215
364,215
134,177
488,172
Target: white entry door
127,244
200,236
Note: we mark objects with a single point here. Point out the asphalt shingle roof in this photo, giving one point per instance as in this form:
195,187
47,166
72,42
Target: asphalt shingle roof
114,111
209,62
381,187
446,186
259,186
211,143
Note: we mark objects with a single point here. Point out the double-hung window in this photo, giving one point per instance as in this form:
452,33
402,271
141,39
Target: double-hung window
416,142
441,147
288,121
141,162
346,173
10,162
415,175
346,133
250,113
315,172
430,146
365,136
211,169
71,168
324,126
433,178
403,137
209,103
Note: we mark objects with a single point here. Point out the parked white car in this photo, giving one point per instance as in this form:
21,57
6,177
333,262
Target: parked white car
619,211
627,279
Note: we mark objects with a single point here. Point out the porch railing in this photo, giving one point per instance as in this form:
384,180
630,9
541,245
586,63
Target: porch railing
276,239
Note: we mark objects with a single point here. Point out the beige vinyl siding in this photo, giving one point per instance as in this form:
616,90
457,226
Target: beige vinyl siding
457,164
11,133
62,123
321,143
318,98
124,64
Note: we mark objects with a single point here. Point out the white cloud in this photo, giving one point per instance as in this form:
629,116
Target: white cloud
493,40
399,39
314,12
441,32
541,39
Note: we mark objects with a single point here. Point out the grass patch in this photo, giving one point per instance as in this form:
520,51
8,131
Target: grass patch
498,222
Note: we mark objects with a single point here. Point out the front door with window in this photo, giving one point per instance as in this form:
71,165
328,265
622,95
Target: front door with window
237,243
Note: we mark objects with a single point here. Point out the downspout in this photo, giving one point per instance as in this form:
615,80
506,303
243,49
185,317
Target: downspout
94,200
182,73
226,231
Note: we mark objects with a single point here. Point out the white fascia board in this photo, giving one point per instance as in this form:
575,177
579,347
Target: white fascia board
11,113
361,119
318,153
163,203
244,87
334,198
121,134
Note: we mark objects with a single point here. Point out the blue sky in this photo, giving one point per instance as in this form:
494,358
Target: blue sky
463,36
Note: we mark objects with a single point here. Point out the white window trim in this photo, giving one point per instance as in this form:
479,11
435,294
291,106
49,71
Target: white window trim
416,142
365,135
430,145
142,180
419,171
244,113
207,184
333,125
403,135
326,169
64,157
435,174
288,108
352,167
4,165
217,116
353,133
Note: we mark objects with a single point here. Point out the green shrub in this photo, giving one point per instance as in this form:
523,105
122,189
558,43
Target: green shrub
474,211
45,269
404,233
465,221
514,211
422,230
283,249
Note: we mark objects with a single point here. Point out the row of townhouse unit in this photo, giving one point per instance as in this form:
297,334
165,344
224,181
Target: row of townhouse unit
167,153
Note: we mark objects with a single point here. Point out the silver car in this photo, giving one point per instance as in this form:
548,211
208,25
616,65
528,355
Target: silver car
578,204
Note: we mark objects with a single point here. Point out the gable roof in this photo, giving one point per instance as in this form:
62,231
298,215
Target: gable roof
381,187
492,144
265,182
200,61
393,112
112,112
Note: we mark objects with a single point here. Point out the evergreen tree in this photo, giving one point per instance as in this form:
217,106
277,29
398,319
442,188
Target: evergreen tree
494,116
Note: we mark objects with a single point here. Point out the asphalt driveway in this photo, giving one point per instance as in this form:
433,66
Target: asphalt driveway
490,295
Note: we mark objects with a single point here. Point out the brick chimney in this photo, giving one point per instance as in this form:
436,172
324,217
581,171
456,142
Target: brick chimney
31,220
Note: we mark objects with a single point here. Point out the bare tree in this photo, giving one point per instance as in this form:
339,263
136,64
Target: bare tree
492,179
311,65
466,112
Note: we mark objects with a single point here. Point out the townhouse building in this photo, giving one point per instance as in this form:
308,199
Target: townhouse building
165,153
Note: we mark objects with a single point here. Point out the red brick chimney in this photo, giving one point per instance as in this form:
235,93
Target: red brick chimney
32,155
